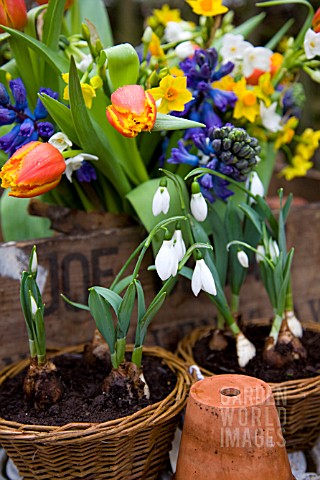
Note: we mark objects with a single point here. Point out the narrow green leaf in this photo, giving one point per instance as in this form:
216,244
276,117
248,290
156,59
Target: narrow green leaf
52,23
123,65
40,332
286,207
110,296
75,304
252,215
61,116
100,311
141,300
122,284
286,279
152,310
273,42
125,310
168,122
244,29
24,301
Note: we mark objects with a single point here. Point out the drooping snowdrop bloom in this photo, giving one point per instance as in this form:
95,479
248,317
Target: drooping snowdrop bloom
75,163
245,350
60,141
311,44
273,249
270,119
177,32
166,261
243,258
294,324
184,50
202,279
198,205
254,185
161,199
256,58
178,244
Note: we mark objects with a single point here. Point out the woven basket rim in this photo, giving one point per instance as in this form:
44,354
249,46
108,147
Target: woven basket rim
295,388
162,411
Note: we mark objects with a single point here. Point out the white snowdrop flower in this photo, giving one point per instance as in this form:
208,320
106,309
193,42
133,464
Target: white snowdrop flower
161,201
255,186
294,324
243,259
84,64
260,254
166,261
273,249
147,35
178,244
270,119
60,141
245,350
184,50
233,47
202,279
311,44
256,58
177,32
198,205
74,163
34,262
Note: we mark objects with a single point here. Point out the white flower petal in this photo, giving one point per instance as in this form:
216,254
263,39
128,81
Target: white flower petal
270,119
196,279
60,141
256,58
243,258
178,244
311,44
260,253
199,207
184,50
166,261
161,201
208,283
273,249
245,350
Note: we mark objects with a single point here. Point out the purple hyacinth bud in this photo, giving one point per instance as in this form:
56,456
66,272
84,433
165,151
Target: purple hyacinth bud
27,128
7,116
7,140
40,111
45,130
86,172
19,93
4,96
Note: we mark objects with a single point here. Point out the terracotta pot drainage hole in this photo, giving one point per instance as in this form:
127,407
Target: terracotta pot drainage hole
230,392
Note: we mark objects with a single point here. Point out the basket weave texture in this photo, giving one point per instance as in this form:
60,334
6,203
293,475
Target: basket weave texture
298,401
132,447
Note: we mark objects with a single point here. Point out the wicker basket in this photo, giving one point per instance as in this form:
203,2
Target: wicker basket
298,401
132,447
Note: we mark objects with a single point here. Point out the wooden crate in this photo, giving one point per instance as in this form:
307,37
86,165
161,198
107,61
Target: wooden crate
71,263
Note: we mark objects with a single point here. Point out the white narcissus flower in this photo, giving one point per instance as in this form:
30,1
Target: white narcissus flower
243,259
60,141
294,324
84,64
270,119
184,50
245,350
254,185
202,279
256,58
161,201
166,261
311,44
74,163
233,47
178,244
177,32
199,207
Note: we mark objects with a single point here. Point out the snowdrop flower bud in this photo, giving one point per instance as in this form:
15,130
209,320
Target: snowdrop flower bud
243,258
34,263
198,205
273,249
166,261
254,185
147,35
202,279
245,350
161,199
34,306
260,253
178,243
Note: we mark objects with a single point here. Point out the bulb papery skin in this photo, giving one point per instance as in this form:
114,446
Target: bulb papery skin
245,350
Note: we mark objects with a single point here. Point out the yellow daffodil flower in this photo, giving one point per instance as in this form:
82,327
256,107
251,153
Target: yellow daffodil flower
176,72
264,89
208,8
166,14
247,105
298,168
155,47
286,135
88,90
173,93
226,83
309,142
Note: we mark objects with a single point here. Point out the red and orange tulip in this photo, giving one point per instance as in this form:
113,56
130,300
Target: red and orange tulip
132,111
316,21
13,14
32,170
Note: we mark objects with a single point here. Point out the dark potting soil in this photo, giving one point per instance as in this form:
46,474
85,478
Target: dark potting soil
225,361
83,400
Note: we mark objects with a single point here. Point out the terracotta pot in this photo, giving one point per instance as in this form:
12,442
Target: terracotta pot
232,431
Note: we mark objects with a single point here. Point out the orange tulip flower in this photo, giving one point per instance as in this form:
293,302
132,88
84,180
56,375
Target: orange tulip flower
316,21
132,111
33,170
13,14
